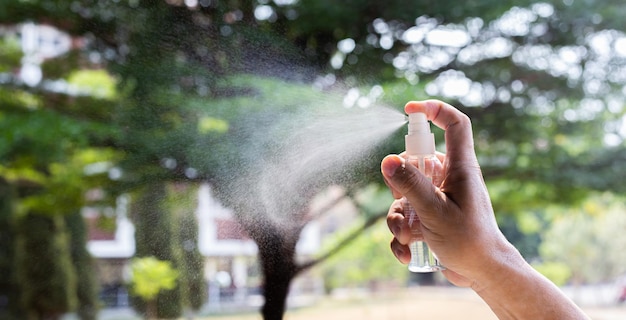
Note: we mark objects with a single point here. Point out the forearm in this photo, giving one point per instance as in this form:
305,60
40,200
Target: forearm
514,290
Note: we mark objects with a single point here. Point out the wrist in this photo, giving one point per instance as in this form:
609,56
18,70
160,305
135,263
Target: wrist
514,290
499,269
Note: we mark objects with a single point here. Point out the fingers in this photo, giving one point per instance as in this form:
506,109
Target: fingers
408,181
400,230
397,194
398,224
401,251
457,126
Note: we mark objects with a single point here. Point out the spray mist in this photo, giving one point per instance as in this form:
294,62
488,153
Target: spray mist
420,152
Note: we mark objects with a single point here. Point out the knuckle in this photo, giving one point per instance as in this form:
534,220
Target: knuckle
408,179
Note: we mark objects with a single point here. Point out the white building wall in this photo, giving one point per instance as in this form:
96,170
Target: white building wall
123,246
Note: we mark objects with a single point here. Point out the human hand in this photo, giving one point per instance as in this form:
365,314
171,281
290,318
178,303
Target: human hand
458,223
456,218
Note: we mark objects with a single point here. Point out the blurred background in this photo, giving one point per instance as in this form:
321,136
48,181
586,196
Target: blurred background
146,166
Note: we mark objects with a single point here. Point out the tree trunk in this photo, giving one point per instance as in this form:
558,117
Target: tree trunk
275,290
154,237
10,307
151,309
87,286
277,254
43,266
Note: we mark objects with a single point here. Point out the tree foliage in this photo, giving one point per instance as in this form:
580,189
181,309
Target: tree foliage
588,240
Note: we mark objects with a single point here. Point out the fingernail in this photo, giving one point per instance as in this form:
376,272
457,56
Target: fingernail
391,165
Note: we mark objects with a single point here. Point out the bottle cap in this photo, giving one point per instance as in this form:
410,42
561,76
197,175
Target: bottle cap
419,140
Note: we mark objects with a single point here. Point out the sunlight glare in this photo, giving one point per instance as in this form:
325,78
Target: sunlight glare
448,38
346,45
263,12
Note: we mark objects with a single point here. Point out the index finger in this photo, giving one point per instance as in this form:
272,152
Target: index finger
457,127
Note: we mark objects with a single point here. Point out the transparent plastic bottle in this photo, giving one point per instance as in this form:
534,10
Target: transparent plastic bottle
420,152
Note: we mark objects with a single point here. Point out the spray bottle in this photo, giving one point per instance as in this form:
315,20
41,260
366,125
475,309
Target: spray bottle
420,152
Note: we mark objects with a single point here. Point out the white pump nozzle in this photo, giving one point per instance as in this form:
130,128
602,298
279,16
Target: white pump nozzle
419,140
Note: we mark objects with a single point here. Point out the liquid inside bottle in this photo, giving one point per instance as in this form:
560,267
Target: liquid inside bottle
422,258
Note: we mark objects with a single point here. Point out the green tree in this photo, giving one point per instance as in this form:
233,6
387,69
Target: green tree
588,240
193,263
355,255
154,238
42,161
9,287
285,163
44,266
49,183
182,202
150,276
365,263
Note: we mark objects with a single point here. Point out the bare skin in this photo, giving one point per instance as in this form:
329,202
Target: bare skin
458,224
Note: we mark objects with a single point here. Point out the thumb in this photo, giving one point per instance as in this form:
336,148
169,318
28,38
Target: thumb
408,181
